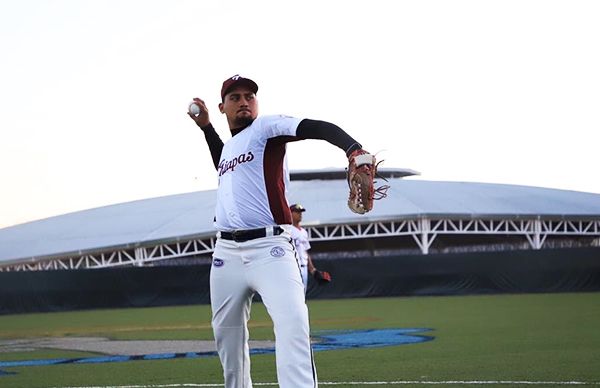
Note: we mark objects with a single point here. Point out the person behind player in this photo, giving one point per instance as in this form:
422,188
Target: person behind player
254,252
300,238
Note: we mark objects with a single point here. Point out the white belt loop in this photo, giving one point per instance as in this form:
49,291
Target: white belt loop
269,231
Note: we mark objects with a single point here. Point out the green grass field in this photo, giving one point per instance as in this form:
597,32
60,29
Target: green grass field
497,340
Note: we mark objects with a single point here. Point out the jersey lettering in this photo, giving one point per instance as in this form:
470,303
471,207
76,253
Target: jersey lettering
227,165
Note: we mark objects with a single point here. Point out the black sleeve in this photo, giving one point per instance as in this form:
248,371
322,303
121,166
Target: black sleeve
316,129
215,144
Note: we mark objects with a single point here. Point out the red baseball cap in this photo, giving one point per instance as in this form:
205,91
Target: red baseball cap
236,80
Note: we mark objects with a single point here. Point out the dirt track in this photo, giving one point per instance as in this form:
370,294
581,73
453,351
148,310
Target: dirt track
109,347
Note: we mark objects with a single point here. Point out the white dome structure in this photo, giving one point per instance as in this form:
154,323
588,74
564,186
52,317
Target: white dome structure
176,226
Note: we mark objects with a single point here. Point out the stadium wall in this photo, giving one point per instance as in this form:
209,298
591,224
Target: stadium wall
523,271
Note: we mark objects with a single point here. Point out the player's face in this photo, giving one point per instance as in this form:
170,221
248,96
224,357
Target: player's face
296,217
240,106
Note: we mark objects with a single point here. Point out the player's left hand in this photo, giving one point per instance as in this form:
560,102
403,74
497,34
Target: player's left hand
361,172
322,277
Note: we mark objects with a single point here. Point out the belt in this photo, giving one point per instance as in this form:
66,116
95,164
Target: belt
241,235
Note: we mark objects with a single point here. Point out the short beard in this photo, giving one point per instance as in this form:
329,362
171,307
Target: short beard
242,122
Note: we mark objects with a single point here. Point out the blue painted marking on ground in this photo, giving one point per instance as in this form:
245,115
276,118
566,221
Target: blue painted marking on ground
329,340
100,359
369,338
4,373
262,351
198,354
54,361
162,356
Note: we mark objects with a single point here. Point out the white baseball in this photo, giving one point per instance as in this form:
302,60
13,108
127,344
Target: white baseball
193,108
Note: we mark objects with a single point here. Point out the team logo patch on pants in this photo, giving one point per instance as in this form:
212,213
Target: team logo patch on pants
277,252
218,262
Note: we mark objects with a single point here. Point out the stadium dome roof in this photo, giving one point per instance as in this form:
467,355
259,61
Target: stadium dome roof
190,215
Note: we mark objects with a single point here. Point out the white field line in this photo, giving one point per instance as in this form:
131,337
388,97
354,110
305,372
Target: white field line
363,383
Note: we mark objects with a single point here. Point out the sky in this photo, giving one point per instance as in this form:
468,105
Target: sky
93,94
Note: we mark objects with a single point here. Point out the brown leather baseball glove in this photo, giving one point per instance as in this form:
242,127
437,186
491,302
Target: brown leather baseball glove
362,169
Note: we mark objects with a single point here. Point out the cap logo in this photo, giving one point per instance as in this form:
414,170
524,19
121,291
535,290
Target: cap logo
235,77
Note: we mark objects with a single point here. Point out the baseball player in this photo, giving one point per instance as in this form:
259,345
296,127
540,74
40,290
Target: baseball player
300,238
254,251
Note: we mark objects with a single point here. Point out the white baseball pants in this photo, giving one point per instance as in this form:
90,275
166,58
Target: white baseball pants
268,266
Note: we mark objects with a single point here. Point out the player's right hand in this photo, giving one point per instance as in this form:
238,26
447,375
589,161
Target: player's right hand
322,277
203,119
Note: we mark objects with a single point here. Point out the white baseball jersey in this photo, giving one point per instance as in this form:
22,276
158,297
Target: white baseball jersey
300,237
252,182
